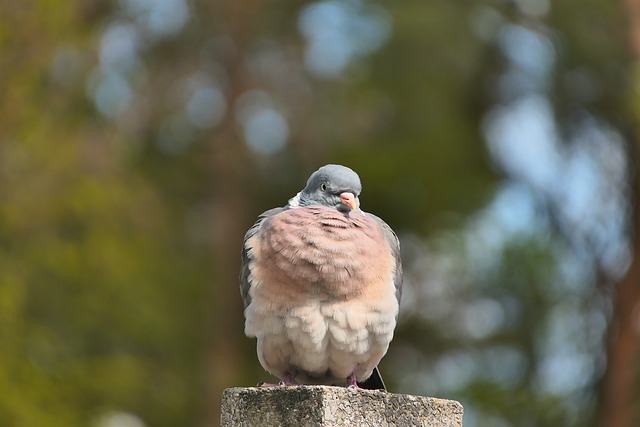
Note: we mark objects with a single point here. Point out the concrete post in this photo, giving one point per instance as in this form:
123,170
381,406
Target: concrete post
323,406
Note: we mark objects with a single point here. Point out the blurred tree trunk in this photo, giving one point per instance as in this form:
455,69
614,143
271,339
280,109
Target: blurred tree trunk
618,393
618,396
230,167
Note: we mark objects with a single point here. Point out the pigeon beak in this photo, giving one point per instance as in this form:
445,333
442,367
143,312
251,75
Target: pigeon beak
349,200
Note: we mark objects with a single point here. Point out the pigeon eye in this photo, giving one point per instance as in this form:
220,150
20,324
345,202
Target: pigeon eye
323,187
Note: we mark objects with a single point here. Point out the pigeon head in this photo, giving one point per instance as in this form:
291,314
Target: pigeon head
333,186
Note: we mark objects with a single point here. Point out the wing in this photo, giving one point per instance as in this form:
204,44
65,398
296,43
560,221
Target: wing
394,244
246,257
375,382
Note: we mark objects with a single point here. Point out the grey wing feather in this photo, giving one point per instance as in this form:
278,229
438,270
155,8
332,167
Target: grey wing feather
246,257
394,244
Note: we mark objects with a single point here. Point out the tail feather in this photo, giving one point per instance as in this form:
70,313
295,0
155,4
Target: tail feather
374,382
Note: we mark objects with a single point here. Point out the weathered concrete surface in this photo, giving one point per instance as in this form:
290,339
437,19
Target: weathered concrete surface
323,406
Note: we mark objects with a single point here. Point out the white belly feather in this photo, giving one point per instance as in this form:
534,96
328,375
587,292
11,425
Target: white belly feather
322,342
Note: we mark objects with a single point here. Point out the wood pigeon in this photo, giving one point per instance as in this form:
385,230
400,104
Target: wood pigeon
321,282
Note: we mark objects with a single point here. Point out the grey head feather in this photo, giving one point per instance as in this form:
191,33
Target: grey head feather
325,185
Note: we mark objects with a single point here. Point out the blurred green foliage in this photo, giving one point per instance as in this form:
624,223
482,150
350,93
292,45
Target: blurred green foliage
122,215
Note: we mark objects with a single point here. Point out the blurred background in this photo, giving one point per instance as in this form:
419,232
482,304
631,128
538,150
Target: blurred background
139,140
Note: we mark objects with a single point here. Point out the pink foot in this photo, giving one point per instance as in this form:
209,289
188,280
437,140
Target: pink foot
351,381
